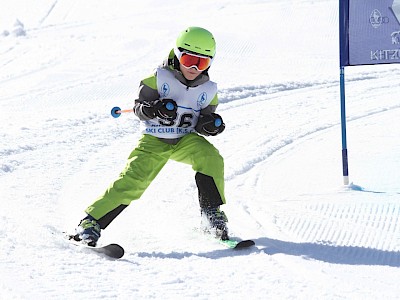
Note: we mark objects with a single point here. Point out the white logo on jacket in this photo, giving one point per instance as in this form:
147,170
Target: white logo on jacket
201,99
165,90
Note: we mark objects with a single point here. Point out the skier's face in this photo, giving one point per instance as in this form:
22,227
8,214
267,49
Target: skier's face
191,73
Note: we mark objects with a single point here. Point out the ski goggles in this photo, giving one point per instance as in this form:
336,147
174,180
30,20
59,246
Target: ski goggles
191,60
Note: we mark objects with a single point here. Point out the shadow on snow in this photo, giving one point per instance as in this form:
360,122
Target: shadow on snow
349,255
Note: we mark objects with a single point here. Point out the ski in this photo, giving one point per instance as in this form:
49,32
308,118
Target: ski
111,250
233,244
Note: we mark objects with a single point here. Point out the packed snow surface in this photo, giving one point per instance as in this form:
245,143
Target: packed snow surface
65,64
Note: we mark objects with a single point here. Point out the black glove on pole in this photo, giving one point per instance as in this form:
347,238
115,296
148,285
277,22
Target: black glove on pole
164,109
210,124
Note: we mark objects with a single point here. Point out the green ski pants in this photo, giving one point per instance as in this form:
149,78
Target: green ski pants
147,160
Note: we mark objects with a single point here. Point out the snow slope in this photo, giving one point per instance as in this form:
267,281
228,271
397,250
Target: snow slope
65,64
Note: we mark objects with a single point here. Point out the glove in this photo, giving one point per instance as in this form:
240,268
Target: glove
210,124
164,109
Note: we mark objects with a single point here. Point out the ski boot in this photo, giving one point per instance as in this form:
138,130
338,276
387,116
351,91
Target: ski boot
216,220
88,231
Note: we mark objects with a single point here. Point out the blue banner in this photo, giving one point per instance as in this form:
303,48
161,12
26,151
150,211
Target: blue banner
369,32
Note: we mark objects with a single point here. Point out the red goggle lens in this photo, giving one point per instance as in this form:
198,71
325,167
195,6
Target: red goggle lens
189,60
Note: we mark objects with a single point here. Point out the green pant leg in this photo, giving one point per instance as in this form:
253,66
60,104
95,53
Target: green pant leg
195,150
144,163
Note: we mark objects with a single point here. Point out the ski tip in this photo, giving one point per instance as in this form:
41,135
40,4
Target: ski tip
114,250
245,244
237,244
111,250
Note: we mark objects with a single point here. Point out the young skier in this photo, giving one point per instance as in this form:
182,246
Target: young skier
176,106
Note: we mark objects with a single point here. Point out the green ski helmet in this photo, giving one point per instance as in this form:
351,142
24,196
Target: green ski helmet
197,40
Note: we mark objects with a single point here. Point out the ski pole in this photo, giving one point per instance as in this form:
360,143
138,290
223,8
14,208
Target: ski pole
116,111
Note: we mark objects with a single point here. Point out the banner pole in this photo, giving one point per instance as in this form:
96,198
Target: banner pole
343,122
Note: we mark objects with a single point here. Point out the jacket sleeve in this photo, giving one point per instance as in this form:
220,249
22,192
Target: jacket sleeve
147,93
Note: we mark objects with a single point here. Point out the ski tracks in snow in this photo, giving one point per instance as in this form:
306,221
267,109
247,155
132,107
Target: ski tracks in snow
66,151
342,232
